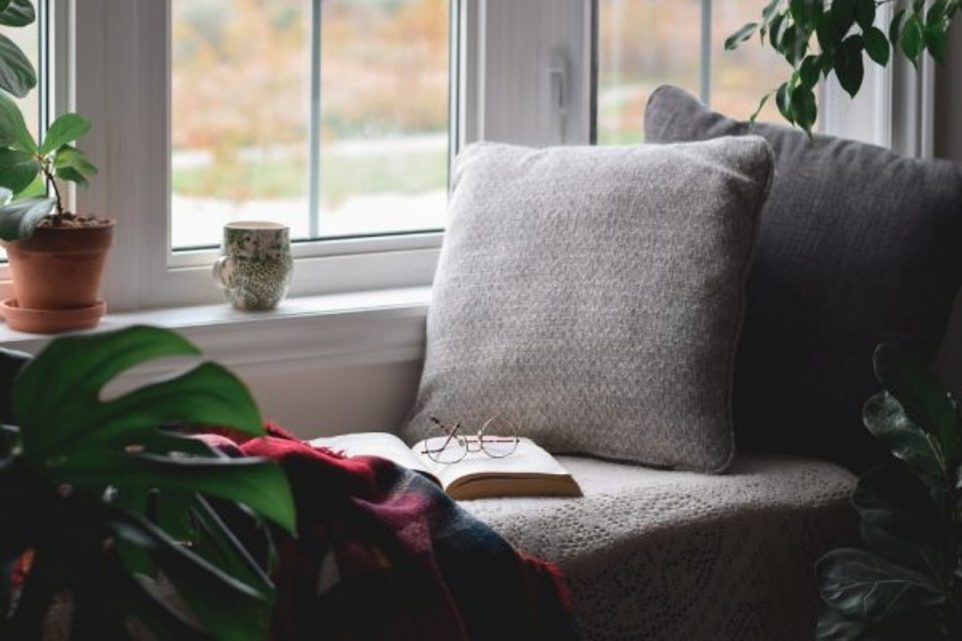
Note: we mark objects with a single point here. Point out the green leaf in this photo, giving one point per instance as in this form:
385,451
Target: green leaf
867,587
842,17
19,218
64,130
865,13
13,129
257,483
66,378
804,108
740,36
18,13
794,44
73,158
17,75
71,175
886,420
936,40
937,11
835,626
784,102
899,519
217,544
876,45
895,28
226,607
805,13
36,189
913,39
849,67
775,30
927,403
767,15
17,169
809,71
761,105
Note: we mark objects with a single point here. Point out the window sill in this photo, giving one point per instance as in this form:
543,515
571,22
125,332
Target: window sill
343,329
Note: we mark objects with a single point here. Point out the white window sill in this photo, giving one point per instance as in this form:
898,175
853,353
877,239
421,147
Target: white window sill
353,328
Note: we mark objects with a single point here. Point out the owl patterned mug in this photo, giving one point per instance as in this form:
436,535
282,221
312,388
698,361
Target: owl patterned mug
255,265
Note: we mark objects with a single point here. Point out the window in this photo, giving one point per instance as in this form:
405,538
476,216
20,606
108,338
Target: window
329,116
646,43
334,116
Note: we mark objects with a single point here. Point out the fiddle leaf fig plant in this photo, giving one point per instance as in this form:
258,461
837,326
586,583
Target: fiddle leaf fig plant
907,581
108,506
29,171
820,37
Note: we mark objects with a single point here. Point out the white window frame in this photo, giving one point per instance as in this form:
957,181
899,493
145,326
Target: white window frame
526,76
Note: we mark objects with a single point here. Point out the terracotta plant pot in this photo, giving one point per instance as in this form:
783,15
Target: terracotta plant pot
56,272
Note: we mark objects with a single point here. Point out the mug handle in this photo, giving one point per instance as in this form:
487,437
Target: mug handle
218,272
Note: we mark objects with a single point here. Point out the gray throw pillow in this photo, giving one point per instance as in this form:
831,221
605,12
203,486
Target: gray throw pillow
592,296
857,246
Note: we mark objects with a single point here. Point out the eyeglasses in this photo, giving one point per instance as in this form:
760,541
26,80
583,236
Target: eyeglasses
492,440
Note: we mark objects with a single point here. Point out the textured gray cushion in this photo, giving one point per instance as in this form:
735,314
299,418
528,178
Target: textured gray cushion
857,246
660,555
593,297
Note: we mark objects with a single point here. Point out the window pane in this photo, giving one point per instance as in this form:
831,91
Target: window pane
384,106
242,116
642,44
742,77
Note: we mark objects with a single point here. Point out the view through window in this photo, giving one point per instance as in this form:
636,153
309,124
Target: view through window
329,116
643,44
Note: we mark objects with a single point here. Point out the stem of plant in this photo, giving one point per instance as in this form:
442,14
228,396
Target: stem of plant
52,183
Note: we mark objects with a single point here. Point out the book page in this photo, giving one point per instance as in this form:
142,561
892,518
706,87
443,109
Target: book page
528,460
382,444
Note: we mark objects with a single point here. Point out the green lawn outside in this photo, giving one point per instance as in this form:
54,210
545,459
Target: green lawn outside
341,176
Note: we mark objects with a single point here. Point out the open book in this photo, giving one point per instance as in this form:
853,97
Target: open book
528,471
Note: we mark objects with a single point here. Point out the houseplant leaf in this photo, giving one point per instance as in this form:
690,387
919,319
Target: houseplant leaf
64,130
224,605
867,587
55,392
887,420
259,484
13,129
17,169
19,218
17,75
899,519
17,13
68,156
926,401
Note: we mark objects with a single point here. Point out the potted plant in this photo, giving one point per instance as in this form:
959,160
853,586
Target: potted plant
56,256
110,529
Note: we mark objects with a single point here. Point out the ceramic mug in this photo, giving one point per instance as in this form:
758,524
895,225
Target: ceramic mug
255,265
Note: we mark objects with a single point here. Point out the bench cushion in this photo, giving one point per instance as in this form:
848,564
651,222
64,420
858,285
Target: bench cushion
653,554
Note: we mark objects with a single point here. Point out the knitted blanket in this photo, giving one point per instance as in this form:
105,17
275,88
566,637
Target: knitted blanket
382,553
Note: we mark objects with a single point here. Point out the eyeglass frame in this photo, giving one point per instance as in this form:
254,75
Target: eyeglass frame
465,441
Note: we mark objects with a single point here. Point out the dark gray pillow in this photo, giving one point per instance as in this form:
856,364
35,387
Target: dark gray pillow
857,246
592,297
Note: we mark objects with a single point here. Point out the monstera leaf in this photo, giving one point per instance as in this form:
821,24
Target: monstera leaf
113,501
